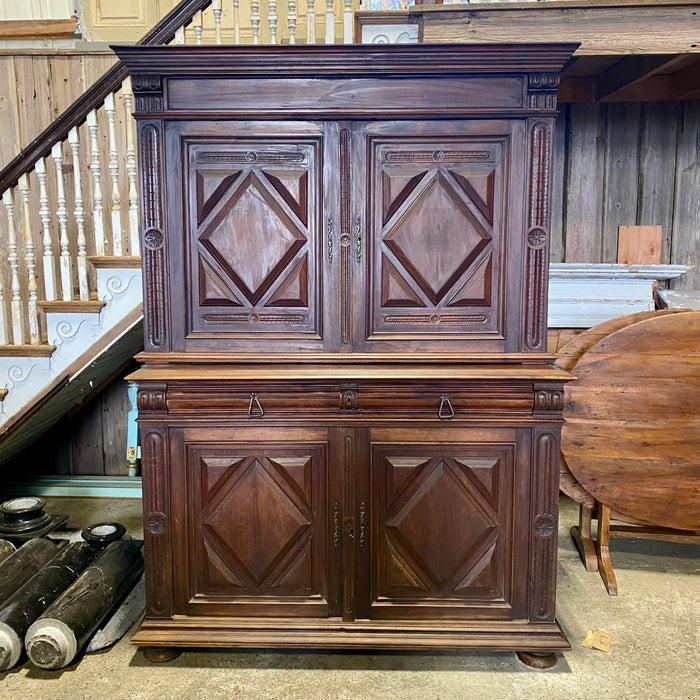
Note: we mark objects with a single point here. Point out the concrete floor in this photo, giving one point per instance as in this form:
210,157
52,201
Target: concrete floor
654,623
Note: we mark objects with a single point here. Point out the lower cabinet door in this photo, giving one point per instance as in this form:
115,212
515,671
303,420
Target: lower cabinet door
255,539
444,524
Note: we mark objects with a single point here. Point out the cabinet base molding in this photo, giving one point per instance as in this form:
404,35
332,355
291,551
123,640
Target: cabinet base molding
211,632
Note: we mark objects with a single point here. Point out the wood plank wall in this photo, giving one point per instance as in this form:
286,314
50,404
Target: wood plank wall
36,88
89,442
627,163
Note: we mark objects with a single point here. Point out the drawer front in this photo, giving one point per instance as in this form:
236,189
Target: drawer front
405,401
255,400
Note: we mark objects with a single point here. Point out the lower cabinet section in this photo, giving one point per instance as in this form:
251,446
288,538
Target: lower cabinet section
349,534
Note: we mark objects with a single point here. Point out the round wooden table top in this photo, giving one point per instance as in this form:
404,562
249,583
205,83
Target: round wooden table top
632,420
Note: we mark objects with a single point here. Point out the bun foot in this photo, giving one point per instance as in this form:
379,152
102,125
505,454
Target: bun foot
160,655
536,659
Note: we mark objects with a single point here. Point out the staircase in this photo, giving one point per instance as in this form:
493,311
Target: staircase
70,278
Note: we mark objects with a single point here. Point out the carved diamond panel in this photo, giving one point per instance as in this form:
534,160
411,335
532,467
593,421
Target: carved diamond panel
437,238
442,525
253,523
232,238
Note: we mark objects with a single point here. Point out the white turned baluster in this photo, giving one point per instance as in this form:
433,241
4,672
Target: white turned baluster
292,21
4,334
272,20
180,35
384,5
347,22
32,312
97,211
79,215
236,22
66,265
114,172
255,20
50,286
216,9
131,169
330,19
197,27
310,22
8,199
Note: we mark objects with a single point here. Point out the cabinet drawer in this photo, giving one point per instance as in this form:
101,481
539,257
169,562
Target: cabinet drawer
445,401
256,400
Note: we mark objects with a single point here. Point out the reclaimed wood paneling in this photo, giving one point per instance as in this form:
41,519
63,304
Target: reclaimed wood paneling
686,211
627,164
621,155
35,89
91,441
584,194
657,163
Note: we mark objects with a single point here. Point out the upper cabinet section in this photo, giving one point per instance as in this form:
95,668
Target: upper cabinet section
352,81
353,200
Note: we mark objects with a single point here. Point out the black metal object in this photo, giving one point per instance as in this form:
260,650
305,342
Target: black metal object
36,595
22,564
6,548
24,518
55,638
102,534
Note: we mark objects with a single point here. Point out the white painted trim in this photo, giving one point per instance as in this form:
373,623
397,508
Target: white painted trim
615,271
582,295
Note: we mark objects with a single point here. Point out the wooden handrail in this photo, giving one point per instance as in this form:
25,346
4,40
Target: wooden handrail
94,96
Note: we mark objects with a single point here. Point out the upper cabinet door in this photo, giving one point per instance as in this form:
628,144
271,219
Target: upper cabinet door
252,209
440,236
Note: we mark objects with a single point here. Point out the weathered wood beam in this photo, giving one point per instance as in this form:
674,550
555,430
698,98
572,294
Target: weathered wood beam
38,28
621,27
630,71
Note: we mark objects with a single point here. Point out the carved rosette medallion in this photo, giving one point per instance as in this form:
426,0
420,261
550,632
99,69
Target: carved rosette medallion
156,523
544,525
536,238
153,239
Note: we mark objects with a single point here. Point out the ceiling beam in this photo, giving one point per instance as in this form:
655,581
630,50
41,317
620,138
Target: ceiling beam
630,71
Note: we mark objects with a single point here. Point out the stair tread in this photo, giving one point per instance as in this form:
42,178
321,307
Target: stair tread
76,306
39,350
114,261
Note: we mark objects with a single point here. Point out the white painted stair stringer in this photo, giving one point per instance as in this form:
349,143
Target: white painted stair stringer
27,379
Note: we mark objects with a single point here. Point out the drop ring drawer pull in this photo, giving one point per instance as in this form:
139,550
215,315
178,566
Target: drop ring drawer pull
253,405
445,412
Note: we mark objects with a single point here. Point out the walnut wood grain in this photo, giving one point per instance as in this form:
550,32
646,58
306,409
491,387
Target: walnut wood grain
352,427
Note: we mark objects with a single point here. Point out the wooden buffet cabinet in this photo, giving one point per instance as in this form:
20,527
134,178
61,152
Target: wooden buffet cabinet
349,425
